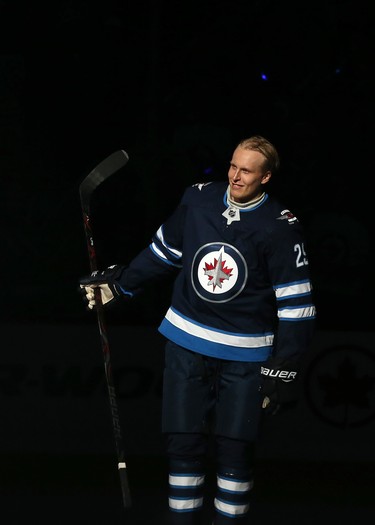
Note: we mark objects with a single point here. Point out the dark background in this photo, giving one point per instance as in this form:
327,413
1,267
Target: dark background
176,85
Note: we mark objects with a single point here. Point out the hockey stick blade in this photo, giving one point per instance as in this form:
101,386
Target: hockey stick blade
102,171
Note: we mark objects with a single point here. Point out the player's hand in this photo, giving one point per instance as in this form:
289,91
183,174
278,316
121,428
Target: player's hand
279,384
105,282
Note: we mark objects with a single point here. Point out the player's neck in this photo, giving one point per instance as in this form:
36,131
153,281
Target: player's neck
251,202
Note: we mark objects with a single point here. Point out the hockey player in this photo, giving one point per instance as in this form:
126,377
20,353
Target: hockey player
240,319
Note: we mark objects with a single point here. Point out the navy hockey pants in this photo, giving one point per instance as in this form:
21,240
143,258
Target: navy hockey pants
206,398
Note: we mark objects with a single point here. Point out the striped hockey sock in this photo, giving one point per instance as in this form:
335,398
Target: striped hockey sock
232,501
185,491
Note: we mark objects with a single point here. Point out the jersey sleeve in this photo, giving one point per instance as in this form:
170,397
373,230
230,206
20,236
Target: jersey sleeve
288,268
161,259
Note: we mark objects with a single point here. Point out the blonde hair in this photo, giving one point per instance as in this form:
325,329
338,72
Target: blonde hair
266,148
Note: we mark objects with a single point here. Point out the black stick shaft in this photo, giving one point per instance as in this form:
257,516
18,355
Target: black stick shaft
108,369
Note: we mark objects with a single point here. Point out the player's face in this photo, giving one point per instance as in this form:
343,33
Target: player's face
246,175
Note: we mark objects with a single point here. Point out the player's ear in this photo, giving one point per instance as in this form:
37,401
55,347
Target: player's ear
266,177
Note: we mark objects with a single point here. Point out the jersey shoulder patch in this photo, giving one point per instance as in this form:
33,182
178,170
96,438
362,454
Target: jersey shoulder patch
200,185
278,212
287,215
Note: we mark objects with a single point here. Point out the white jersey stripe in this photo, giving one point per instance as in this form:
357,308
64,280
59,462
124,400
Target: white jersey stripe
296,313
293,290
242,341
160,236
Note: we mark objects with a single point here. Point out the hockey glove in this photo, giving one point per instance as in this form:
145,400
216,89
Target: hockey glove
106,282
279,384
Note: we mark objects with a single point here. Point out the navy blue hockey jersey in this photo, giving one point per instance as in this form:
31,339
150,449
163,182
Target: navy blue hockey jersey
242,289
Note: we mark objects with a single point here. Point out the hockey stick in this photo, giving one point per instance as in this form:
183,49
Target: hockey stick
103,170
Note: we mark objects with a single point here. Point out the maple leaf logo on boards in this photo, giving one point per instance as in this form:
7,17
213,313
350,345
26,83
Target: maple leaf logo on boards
217,272
340,386
347,387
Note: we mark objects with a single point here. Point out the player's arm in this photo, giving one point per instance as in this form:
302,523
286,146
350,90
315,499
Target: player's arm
288,268
161,259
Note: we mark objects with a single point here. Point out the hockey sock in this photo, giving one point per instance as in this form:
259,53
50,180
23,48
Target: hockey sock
232,499
185,492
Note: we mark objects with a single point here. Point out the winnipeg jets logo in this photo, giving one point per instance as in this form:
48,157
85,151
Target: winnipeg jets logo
218,272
